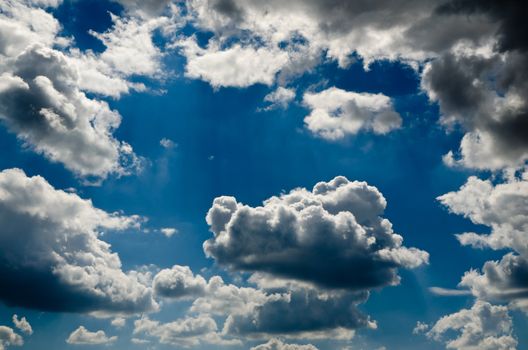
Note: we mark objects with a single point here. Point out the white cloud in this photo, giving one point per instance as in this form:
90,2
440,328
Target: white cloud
168,231
129,46
448,292
168,143
118,322
336,113
279,98
277,344
22,324
502,207
483,327
187,332
420,328
51,243
237,66
82,336
8,337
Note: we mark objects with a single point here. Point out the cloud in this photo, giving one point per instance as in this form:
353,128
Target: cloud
502,207
508,14
503,281
277,344
178,282
485,95
129,46
302,313
43,106
307,32
448,292
22,25
53,257
45,80
187,332
279,98
8,337
237,66
336,113
275,308
82,336
292,236
22,324
168,231
420,327
483,327
168,143
118,322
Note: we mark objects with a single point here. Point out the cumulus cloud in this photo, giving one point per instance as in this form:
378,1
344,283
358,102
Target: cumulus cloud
502,207
187,332
483,327
336,113
22,324
43,106
52,254
178,282
283,308
293,235
44,83
277,344
82,336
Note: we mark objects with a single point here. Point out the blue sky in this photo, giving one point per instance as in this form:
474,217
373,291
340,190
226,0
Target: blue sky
223,137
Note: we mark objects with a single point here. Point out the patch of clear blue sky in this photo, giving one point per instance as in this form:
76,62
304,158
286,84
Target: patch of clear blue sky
258,155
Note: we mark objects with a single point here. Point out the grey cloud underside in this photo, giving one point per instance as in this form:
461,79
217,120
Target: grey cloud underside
333,236
51,257
302,312
282,309
510,14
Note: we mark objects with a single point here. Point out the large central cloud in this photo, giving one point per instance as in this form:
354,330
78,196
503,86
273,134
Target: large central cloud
51,257
333,236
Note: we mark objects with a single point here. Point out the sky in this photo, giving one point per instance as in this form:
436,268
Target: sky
263,175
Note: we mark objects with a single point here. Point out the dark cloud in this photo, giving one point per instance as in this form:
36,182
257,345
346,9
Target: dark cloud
486,95
333,236
302,312
510,14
